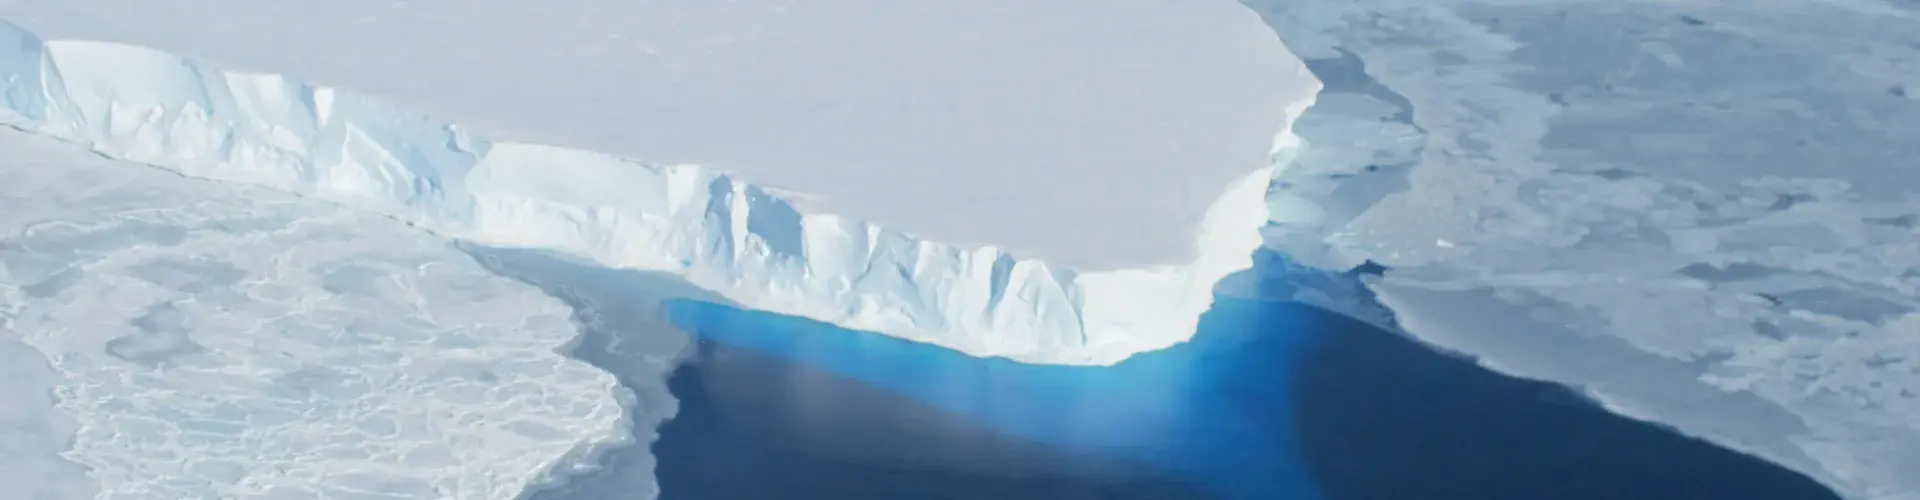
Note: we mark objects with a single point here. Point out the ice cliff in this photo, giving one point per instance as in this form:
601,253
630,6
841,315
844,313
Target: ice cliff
719,232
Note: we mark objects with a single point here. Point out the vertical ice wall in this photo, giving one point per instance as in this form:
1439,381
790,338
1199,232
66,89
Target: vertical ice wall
720,233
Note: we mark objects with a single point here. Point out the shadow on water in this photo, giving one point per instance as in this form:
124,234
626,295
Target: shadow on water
804,433
1269,401
622,332
1383,417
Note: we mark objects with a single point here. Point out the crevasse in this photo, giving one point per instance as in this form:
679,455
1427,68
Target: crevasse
718,232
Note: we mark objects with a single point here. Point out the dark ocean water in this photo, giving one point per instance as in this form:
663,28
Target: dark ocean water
1270,401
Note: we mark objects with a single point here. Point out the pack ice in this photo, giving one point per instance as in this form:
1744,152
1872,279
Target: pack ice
1037,299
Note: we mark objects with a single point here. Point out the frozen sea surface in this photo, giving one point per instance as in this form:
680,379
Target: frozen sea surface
167,338
32,432
1701,213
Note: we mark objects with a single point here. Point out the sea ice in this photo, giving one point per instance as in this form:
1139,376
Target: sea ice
32,432
222,341
1702,214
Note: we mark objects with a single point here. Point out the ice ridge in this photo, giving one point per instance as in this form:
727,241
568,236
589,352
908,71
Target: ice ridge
720,233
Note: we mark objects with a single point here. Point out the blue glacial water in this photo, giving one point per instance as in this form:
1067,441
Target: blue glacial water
1269,401
1216,423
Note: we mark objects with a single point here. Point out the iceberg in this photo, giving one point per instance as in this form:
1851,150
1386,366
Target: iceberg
753,244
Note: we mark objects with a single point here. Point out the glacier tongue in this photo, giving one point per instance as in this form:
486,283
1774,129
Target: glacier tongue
720,233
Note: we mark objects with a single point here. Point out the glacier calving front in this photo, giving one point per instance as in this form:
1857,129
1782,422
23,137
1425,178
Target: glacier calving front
718,232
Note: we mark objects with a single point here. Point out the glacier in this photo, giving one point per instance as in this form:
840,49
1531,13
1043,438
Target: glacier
1083,133
780,250
722,233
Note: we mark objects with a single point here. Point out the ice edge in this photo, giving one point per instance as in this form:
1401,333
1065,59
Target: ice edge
741,241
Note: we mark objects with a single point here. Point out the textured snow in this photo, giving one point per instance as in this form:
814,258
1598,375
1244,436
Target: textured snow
183,339
746,242
1705,214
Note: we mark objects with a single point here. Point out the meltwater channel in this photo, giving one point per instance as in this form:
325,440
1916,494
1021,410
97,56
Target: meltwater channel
1268,401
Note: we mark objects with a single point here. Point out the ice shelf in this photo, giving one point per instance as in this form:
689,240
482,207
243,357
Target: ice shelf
999,236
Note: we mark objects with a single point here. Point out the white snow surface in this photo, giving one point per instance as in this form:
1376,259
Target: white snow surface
1117,168
189,339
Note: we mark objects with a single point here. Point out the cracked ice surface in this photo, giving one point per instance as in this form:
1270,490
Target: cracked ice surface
32,431
214,342
1705,214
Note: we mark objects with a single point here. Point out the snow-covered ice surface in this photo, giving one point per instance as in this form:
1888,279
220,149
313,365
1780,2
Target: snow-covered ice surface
1705,214
221,341
1091,133
1057,182
1005,177
32,432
